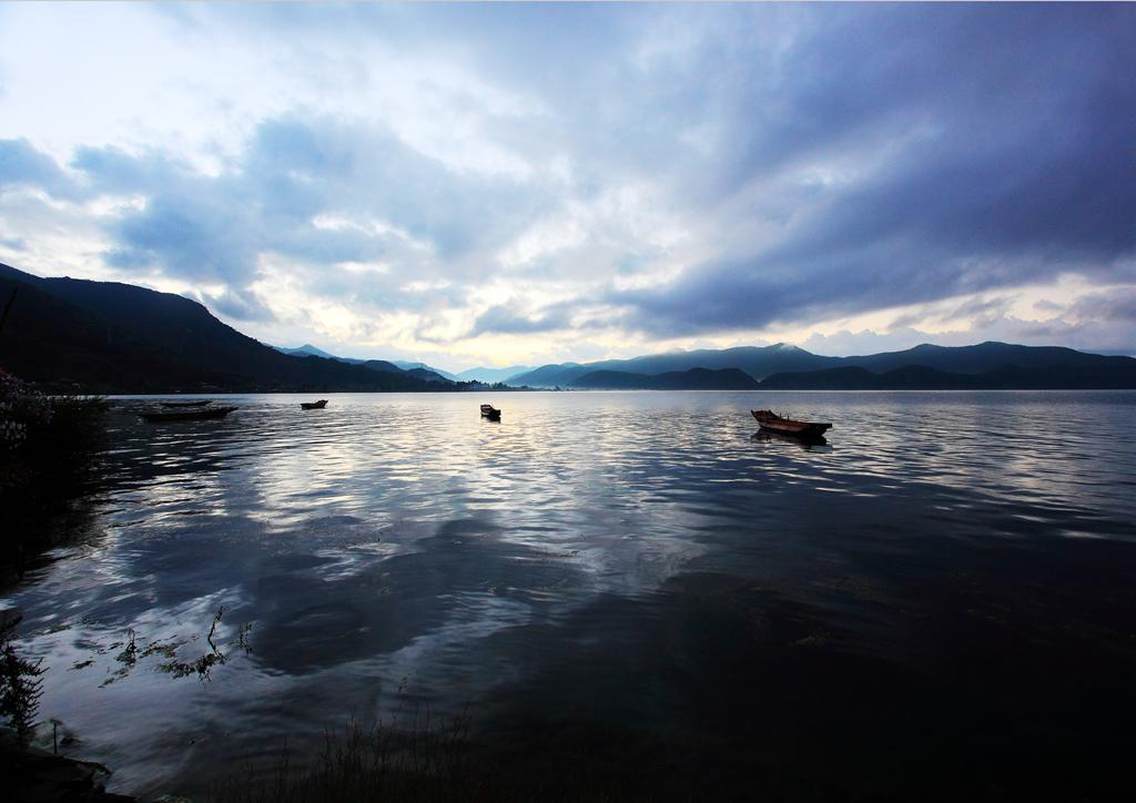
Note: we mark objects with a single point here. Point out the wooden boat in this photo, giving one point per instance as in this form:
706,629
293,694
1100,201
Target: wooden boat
196,414
316,405
769,420
490,412
187,403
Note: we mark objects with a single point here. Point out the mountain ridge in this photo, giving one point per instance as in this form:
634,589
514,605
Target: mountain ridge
111,337
691,379
1001,365
419,369
757,361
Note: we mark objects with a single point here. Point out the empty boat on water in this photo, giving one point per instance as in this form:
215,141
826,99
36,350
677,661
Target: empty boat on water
490,412
316,405
180,404
190,414
772,422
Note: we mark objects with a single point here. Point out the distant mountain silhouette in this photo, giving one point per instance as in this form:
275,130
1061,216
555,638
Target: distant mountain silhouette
419,369
757,361
992,356
855,378
411,366
308,350
429,375
106,337
491,375
1093,372
551,376
985,365
692,379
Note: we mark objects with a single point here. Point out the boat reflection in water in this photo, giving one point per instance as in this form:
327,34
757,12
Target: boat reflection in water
809,443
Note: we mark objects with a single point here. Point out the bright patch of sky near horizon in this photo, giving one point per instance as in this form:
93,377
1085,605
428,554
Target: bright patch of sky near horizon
525,184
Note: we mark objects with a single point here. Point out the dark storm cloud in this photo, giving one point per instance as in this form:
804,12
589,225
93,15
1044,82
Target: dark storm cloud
502,319
1005,156
1115,305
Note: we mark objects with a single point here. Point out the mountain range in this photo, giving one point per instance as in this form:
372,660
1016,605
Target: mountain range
781,366
690,379
418,369
488,376
106,337
758,362
491,375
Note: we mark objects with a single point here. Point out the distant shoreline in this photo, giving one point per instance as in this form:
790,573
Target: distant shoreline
115,396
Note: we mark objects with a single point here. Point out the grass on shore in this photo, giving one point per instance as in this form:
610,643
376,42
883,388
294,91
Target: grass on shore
48,451
430,761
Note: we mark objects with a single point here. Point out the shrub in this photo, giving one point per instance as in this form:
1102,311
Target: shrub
48,446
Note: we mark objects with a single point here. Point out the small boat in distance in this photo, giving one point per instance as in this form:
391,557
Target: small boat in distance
490,412
194,414
201,403
769,420
316,405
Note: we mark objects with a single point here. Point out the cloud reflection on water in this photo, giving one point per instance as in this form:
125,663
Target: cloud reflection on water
400,537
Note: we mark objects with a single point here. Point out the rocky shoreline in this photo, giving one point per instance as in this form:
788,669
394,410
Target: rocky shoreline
33,775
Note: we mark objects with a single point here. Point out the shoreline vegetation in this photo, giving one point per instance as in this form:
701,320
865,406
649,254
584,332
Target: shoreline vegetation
49,447
49,456
31,773
419,759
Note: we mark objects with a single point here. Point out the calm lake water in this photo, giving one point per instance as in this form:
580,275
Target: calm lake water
947,589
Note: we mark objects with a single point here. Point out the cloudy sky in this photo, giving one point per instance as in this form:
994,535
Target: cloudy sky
493,185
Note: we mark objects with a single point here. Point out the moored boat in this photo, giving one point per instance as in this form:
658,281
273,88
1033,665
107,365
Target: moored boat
316,405
769,420
193,414
490,412
201,403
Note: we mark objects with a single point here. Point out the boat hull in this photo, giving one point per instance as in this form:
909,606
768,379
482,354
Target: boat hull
799,429
183,404
189,415
787,426
319,405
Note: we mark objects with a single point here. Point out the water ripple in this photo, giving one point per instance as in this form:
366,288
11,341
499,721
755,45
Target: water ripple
395,536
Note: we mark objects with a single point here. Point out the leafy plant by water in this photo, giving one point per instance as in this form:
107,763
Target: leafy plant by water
21,686
422,758
201,666
48,446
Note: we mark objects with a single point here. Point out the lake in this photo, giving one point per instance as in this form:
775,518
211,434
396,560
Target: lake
943,595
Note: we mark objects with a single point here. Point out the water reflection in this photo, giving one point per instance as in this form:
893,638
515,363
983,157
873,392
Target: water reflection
602,557
810,443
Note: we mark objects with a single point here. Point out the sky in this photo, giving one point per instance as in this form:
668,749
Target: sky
522,184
